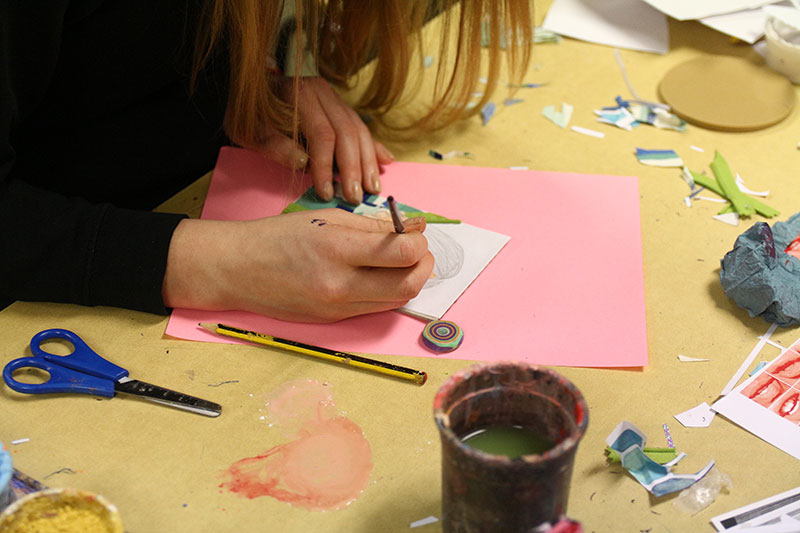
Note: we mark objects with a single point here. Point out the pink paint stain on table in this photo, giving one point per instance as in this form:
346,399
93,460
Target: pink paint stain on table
327,465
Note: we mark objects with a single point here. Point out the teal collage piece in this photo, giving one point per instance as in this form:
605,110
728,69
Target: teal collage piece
370,205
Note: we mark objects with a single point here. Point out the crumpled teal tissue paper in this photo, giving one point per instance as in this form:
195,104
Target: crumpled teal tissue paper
760,276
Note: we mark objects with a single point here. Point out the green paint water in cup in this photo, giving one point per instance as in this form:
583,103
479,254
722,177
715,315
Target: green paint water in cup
511,441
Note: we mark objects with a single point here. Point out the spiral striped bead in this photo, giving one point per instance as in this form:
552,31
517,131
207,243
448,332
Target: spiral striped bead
442,336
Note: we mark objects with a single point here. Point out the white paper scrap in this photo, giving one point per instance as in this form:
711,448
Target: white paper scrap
587,131
629,24
424,522
20,441
744,189
687,359
728,218
696,417
762,340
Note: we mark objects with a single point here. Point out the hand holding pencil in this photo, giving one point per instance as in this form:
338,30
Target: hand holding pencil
311,266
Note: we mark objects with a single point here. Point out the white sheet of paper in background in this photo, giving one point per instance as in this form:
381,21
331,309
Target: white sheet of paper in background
461,252
629,24
768,403
700,416
698,9
747,25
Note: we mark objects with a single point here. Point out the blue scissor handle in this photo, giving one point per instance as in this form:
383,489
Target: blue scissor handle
61,379
83,359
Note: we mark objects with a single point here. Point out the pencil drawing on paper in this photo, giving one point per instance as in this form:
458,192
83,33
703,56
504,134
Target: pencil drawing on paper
448,256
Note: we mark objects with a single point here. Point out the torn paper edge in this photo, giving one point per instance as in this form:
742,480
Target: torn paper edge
762,340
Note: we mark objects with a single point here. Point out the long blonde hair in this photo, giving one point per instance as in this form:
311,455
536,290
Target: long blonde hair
343,36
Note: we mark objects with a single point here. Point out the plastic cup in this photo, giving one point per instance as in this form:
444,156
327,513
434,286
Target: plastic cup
783,48
494,492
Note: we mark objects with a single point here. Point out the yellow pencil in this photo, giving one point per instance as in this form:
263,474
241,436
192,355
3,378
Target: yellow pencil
417,376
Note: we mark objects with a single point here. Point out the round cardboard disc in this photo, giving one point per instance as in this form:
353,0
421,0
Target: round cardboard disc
727,93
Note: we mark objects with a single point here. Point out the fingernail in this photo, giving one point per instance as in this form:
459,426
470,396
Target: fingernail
415,224
327,191
355,191
390,154
374,182
301,160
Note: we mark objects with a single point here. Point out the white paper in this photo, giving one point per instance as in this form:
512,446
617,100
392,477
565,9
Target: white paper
785,504
697,9
728,218
629,24
747,25
460,253
700,416
768,403
687,359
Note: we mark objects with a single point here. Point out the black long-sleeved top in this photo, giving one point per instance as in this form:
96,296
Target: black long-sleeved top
97,127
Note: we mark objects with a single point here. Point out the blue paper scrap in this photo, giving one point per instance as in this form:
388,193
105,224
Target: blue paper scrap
487,112
659,158
628,441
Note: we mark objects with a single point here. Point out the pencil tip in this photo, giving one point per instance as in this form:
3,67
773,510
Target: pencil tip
207,325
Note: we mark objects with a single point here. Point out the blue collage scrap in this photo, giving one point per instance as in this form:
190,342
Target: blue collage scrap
628,114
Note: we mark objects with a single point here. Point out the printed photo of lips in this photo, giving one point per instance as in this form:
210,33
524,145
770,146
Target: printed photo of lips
765,389
788,406
787,368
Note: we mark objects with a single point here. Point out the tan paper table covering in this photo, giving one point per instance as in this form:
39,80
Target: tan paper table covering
162,466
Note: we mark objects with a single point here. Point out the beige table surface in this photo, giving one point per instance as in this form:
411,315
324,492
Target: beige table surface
162,467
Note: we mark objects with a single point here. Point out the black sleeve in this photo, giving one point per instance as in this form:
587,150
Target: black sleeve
53,247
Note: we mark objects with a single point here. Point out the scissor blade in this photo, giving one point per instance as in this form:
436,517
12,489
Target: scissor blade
157,394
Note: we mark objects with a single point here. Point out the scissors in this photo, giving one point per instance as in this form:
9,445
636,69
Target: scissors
85,372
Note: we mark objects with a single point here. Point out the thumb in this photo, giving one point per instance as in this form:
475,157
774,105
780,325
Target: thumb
284,151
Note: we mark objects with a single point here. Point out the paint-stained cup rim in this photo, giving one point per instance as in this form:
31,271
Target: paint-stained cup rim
37,502
567,445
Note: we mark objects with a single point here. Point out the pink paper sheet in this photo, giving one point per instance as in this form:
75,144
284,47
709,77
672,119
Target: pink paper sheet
567,290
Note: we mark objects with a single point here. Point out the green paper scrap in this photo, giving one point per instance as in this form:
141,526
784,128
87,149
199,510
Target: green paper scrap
370,204
741,202
559,118
659,455
712,185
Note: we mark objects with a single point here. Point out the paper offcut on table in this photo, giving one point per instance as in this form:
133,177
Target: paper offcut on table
659,158
524,293
627,440
700,416
628,114
778,514
559,118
